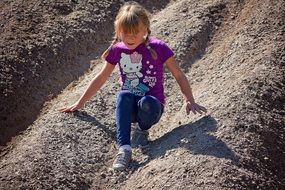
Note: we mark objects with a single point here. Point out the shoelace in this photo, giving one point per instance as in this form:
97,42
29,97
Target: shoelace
121,158
141,132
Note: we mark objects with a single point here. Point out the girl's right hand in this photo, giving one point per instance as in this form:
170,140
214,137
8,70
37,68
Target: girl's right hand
72,108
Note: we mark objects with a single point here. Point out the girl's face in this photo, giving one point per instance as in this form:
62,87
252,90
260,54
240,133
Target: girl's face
133,40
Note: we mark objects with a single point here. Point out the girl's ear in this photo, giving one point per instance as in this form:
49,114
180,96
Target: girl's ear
146,32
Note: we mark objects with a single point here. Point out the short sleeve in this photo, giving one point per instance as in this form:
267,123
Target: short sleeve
165,52
112,57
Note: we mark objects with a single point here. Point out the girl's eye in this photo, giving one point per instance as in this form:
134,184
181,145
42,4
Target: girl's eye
131,35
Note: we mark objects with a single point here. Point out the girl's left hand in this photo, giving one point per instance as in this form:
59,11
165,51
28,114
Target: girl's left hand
194,107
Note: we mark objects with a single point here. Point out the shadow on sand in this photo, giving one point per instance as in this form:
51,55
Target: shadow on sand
197,138
84,116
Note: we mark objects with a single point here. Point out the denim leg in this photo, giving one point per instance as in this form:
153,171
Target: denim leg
149,112
125,107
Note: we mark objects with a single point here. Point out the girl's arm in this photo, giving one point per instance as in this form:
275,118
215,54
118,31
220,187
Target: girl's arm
96,83
184,85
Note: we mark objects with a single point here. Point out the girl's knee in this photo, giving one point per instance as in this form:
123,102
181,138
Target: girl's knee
150,111
149,104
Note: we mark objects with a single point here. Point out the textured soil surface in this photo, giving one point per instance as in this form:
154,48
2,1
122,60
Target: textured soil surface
233,53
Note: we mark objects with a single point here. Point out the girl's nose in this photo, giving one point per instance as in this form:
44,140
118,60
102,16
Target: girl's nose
131,35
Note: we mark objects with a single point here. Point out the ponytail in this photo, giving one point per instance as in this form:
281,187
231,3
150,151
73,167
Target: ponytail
106,52
151,50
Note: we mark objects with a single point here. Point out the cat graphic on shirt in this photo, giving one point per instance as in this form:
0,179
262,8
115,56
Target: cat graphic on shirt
131,66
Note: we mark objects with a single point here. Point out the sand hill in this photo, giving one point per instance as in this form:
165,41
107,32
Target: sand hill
233,53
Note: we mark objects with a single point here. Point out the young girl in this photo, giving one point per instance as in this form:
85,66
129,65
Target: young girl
140,59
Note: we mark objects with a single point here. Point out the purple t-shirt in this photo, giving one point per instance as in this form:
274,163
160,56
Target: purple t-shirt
140,73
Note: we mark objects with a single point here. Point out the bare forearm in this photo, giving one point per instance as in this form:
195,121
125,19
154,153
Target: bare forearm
92,89
185,88
97,83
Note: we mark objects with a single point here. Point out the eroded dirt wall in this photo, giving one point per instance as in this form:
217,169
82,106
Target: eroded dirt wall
45,45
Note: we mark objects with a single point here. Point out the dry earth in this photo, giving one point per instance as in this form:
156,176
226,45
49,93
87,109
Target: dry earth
233,53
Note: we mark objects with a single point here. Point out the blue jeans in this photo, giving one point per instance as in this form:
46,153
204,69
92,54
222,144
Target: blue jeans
146,110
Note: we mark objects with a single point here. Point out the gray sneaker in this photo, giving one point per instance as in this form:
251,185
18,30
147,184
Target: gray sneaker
122,160
139,138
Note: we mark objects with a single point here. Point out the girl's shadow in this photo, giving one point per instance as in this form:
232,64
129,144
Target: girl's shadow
196,137
84,116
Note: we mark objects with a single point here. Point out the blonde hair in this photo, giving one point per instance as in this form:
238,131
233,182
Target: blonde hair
128,20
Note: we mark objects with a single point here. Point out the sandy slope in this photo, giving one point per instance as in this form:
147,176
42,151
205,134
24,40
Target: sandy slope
233,54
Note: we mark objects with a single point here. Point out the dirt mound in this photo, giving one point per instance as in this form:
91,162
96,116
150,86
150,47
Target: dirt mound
42,41
45,45
232,52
